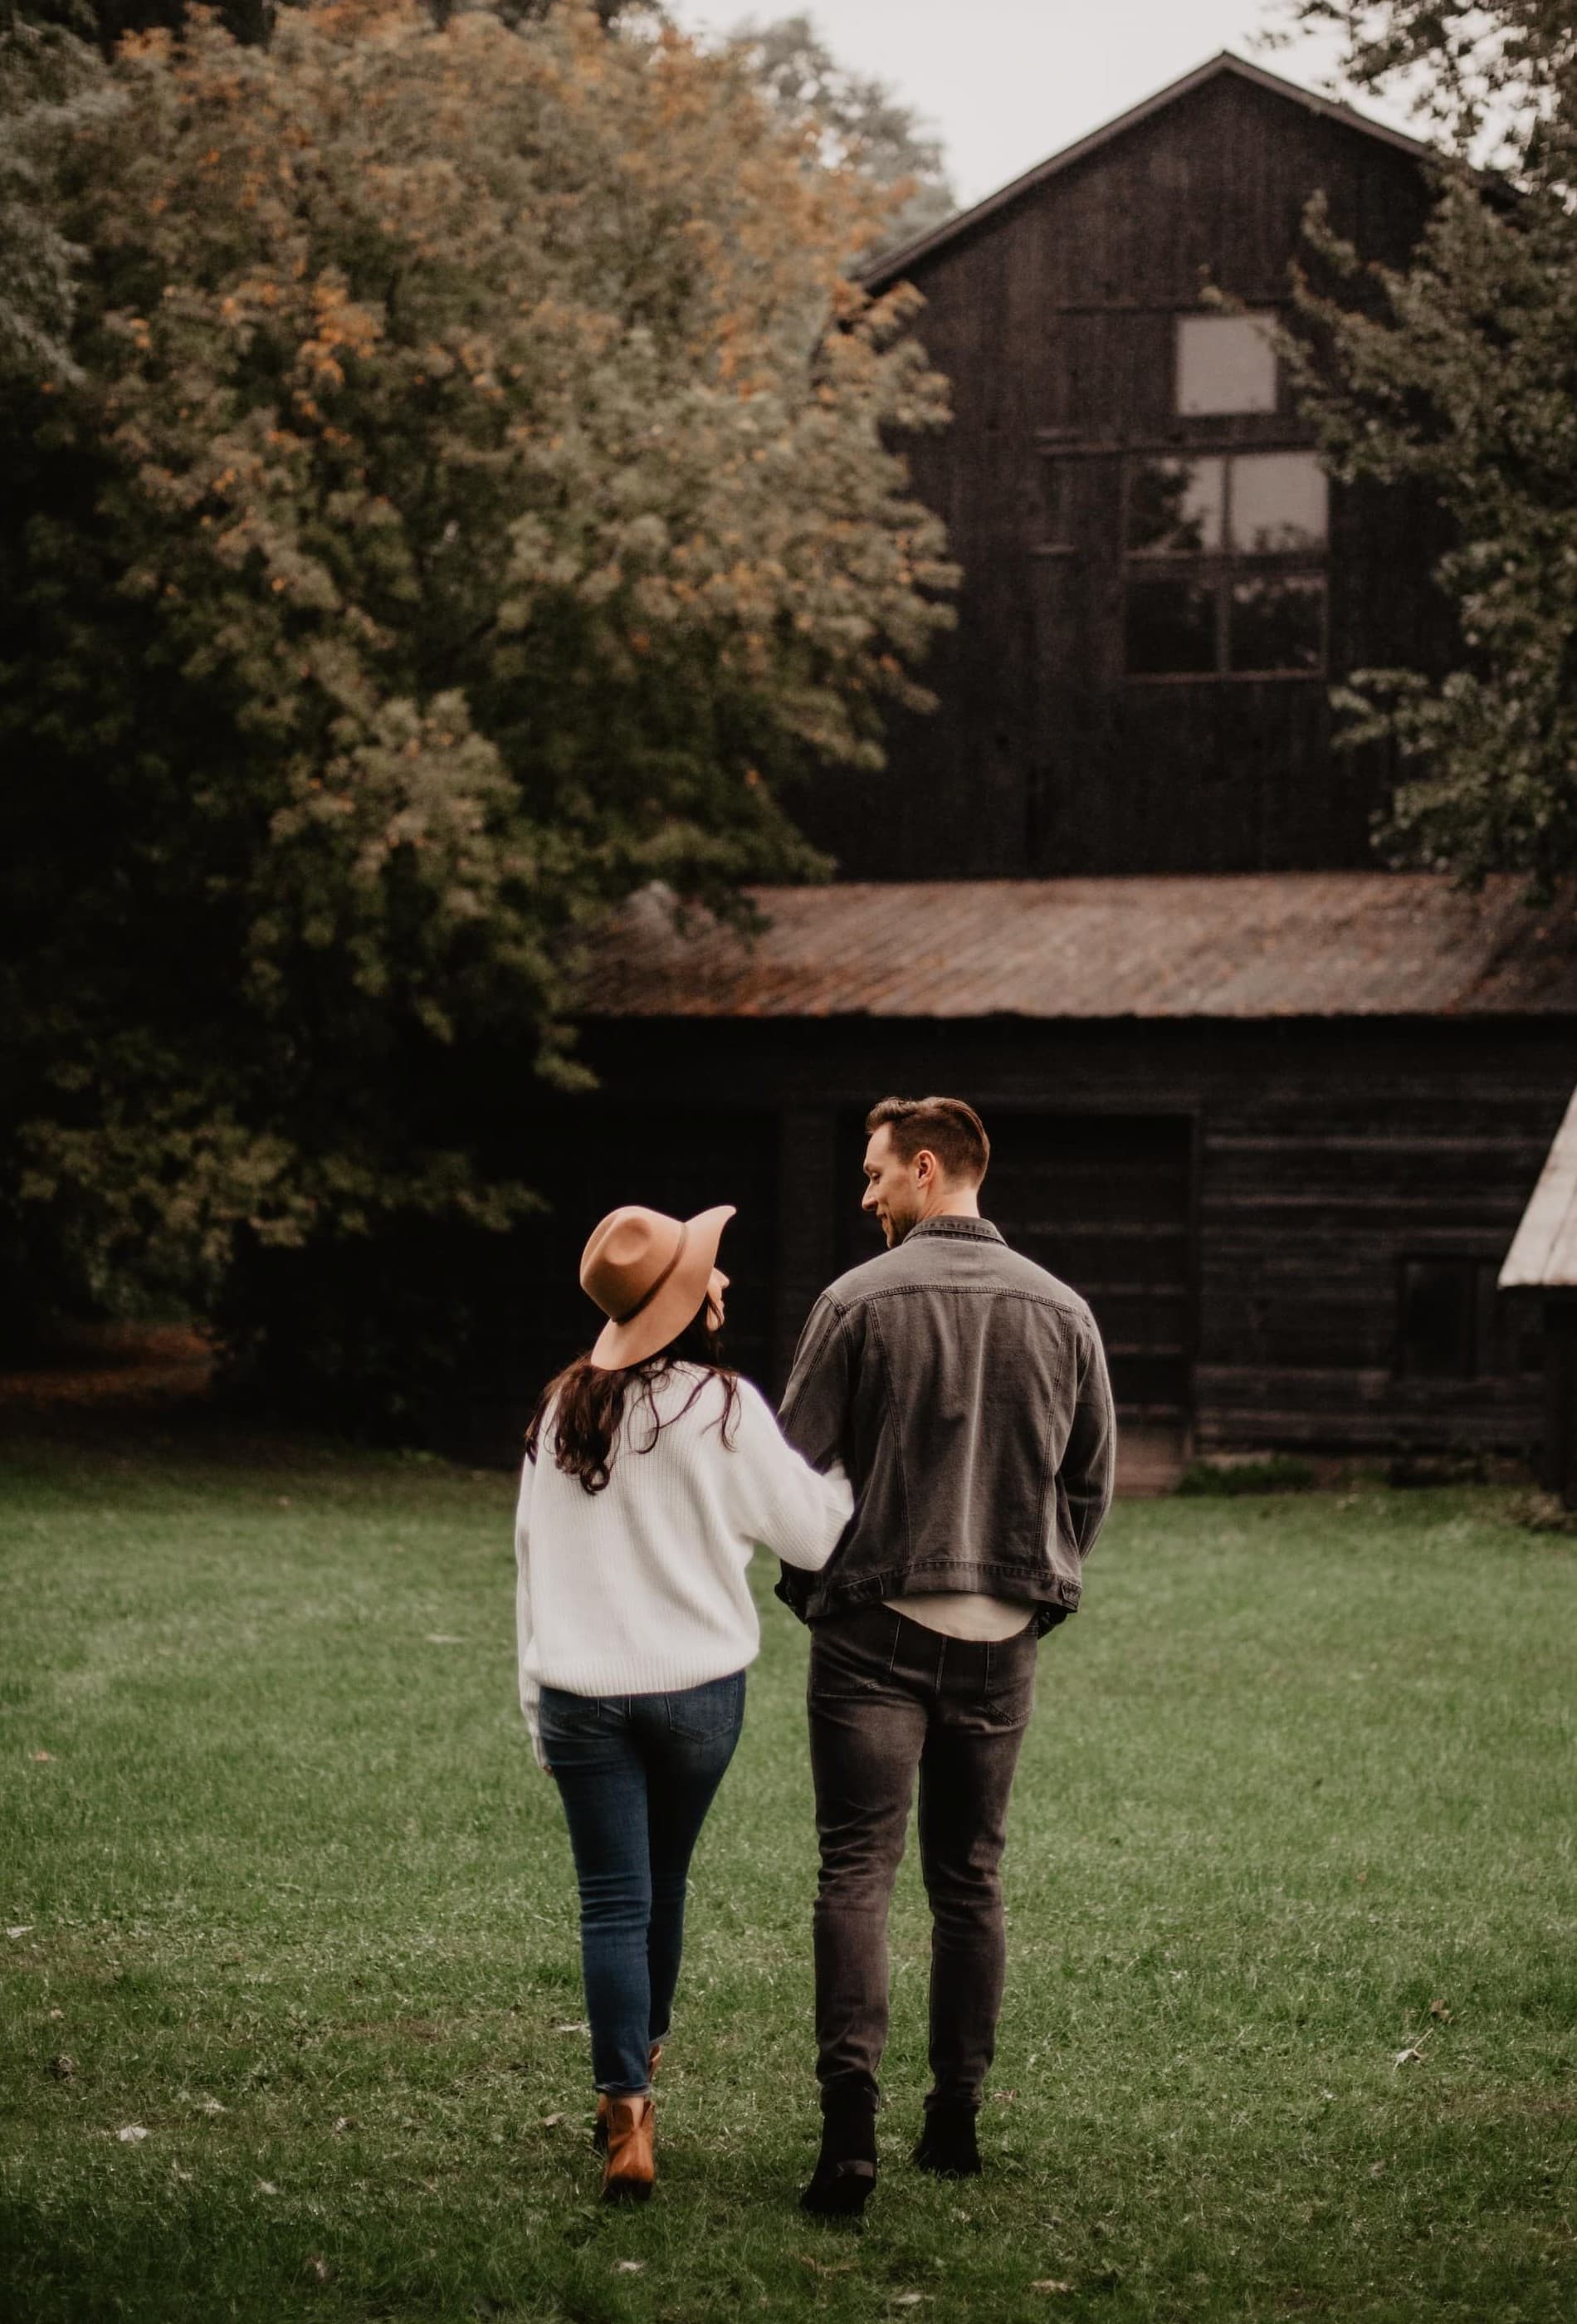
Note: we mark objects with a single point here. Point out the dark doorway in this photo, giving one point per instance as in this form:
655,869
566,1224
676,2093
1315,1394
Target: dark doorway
1104,1201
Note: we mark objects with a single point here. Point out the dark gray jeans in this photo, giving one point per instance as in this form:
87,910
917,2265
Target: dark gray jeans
888,1697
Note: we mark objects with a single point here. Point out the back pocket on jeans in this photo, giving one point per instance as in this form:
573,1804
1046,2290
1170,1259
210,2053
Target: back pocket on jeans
713,1708
1008,1697
561,1714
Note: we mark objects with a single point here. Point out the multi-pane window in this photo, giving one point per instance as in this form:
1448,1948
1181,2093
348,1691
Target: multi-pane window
1225,363
1225,565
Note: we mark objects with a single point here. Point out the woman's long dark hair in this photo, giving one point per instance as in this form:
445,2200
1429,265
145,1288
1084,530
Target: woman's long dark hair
591,1403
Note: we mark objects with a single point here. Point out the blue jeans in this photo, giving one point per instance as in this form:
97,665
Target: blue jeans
637,1773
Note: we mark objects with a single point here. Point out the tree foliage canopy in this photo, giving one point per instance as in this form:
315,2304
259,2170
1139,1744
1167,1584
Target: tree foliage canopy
50,83
1501,69
1462,372
858,121
462,501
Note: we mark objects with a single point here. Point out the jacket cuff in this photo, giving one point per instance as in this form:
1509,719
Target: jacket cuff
793,1587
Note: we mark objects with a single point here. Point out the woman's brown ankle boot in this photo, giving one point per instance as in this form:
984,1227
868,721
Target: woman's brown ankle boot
600,2129
631,2166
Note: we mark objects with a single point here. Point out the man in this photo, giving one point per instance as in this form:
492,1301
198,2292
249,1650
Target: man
964,1391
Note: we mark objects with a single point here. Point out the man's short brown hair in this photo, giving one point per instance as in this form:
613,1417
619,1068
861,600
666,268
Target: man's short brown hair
945,1125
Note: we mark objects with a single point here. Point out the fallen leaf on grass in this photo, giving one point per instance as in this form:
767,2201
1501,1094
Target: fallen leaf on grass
1050,2283
63,2068
1414,2050
581,2028
1438,2010
22,1929
443,1639
826,2266
344,2122
1004,2098
131,2133
552,2121
908,2299
40,1756
318,2269
267,2186
211,2106
628,2266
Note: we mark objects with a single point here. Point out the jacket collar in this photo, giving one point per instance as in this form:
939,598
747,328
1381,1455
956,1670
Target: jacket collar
972,1230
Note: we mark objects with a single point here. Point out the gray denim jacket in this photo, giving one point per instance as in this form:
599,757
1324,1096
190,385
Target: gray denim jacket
964,1391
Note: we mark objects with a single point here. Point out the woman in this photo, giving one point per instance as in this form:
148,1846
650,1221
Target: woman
651,1473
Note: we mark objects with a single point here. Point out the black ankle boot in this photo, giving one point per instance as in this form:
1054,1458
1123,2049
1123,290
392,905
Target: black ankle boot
845,2168
947,2142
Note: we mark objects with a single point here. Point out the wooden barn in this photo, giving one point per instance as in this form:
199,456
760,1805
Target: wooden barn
1276,1113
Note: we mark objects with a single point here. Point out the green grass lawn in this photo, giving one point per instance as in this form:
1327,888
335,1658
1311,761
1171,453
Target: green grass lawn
1291,2025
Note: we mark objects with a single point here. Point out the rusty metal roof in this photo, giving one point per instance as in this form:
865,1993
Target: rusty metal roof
1317,943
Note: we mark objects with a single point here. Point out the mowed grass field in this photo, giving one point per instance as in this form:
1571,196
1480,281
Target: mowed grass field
290,2017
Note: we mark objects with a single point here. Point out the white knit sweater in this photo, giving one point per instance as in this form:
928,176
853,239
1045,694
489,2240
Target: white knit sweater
640,1589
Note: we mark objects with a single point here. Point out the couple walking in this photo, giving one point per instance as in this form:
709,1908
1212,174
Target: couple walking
941,1465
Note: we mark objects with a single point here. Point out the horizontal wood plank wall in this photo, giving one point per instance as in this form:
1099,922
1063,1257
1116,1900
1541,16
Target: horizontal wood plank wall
1328,1155
1054,321
808,1247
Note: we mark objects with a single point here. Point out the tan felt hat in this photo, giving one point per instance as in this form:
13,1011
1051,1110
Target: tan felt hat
648,1274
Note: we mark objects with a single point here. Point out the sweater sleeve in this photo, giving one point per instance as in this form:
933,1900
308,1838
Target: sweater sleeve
531,1693
792,1511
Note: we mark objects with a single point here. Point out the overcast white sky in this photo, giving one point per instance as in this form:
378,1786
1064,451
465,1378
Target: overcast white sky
1009,81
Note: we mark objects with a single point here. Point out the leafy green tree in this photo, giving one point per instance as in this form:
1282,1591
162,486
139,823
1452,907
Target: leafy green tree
1462,373
107,22
466,501
51,83
856,121
1500,70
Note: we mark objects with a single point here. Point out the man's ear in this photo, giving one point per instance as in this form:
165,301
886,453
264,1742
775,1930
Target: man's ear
926,1166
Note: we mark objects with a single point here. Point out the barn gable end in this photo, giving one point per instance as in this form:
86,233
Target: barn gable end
1055,312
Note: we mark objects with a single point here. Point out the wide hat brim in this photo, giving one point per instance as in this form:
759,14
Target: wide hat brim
621,1345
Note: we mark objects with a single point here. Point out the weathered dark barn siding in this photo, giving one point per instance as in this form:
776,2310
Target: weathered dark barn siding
1306,1097
1054,321
1325,1155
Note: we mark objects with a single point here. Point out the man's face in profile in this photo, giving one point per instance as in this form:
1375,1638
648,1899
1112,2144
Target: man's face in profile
894,1186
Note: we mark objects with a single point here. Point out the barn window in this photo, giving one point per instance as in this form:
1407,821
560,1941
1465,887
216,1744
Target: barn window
1176,508
1277,622
1454,1326
1281,501
1225,363
1226,565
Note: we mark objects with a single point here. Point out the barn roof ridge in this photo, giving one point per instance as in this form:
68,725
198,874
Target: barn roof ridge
890,263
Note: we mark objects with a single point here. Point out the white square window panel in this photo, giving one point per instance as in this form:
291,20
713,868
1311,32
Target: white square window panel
1280,503
1225,363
